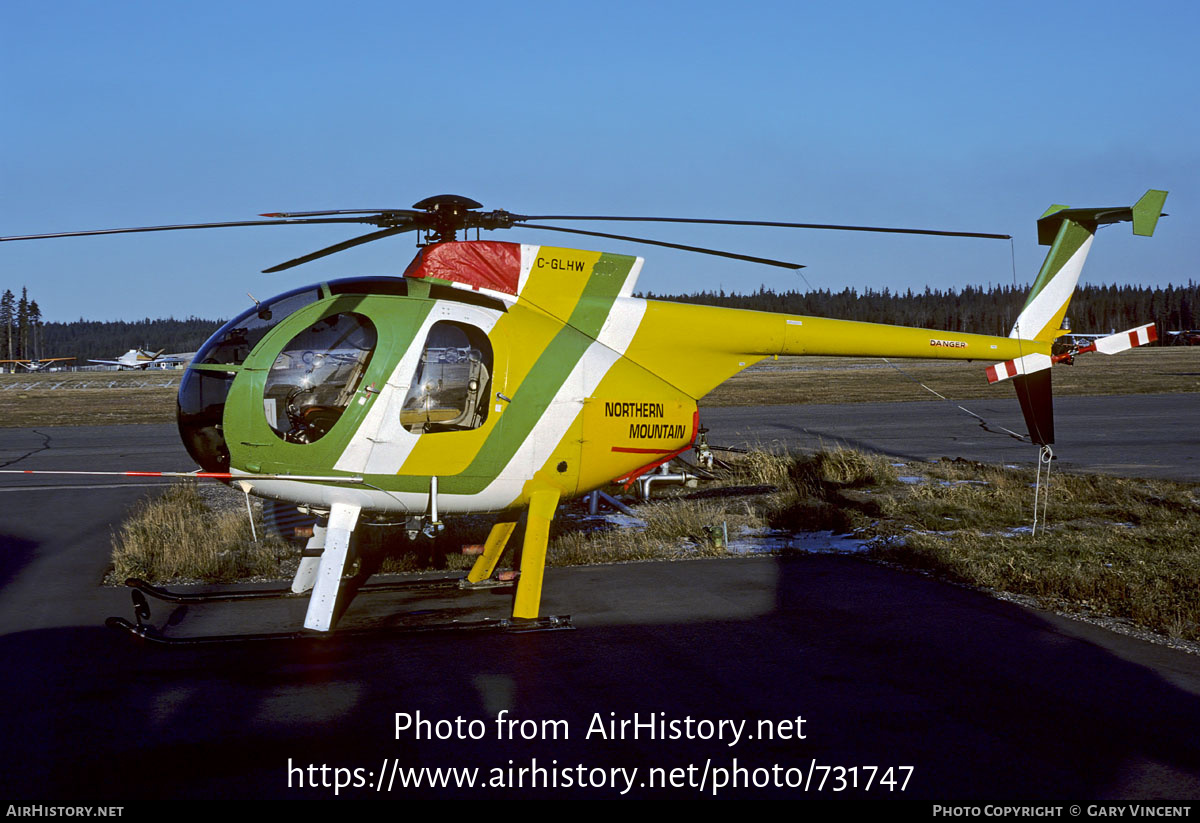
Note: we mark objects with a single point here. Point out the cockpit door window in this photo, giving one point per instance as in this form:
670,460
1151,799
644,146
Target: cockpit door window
315,377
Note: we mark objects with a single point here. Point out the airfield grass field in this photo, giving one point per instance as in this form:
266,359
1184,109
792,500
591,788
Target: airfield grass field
799,380
88,398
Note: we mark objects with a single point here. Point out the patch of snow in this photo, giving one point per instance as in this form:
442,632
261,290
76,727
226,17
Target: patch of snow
615,520
751,542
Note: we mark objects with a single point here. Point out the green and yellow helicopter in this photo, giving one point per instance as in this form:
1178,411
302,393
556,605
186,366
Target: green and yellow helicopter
504,377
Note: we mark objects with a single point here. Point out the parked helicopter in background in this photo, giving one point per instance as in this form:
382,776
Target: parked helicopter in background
505,377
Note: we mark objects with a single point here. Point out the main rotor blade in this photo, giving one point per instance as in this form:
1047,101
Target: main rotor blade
336,247
383,214
732,255
772,223
235,224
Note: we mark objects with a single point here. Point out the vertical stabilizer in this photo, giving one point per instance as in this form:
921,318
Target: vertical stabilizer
1037,404
1069,233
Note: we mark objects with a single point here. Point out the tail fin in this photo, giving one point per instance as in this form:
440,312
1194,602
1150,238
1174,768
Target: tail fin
1069,233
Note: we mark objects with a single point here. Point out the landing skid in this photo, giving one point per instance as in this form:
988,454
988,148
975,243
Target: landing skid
143,631
271,594
509,625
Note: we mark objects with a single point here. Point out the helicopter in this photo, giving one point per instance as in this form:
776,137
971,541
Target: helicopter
504,377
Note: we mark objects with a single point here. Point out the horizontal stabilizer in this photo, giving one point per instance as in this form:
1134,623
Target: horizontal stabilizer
1028,364
1143,214
1146,212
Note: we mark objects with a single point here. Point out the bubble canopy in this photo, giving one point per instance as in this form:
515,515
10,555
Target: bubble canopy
333,362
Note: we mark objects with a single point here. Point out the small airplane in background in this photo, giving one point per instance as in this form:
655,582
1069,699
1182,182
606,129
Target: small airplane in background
141,359
37,364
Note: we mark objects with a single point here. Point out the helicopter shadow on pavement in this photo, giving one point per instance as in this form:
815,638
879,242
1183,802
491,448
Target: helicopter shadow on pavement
984,698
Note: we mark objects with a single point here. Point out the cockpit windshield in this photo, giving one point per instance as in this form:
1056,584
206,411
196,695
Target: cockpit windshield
316,375
205,385
233,342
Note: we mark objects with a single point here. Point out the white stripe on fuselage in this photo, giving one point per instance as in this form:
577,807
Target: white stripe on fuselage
390,444
615,336
382,444
1053,296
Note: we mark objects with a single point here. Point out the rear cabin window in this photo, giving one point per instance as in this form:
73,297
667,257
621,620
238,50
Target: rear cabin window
452,384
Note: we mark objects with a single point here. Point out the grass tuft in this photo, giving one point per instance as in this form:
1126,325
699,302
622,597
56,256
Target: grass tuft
177,536
1113,546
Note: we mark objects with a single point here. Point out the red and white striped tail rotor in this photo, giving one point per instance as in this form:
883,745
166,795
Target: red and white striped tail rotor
1028,364
1112,344
1127,339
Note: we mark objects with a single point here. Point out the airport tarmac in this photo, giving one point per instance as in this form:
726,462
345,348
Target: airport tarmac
710,663
1137,435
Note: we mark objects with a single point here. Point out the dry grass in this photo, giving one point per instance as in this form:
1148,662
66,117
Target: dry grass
92,407
792,494
179,537
56,399
673,530
1117,547
388,549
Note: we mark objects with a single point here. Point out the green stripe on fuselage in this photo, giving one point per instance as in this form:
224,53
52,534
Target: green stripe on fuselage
1070,238
537,391
256,447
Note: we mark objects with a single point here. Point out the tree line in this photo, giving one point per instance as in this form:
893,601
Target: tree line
977,309
92,340
24,335
20,326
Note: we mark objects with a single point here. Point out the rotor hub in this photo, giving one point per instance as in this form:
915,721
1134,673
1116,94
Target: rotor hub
450,212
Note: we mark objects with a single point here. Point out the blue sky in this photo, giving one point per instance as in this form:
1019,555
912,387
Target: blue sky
963,115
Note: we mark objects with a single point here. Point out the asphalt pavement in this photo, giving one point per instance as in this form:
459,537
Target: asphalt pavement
1137,435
